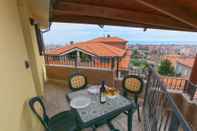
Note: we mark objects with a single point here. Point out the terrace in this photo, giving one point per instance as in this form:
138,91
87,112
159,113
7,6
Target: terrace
165,103
166,93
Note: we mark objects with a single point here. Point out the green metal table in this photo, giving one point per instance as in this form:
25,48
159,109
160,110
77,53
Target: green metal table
97,113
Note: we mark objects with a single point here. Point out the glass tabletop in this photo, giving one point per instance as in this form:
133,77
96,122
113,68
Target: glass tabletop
95,109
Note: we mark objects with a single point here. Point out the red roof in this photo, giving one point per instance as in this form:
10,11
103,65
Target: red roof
189,62
109,40
172,58
94,47
124,63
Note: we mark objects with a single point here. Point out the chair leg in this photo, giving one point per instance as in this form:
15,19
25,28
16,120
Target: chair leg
138,107
111,126
93,128
138,112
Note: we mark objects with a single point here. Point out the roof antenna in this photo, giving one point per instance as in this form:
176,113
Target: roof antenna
145,29
101,26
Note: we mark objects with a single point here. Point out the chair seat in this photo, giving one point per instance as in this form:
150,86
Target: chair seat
64,121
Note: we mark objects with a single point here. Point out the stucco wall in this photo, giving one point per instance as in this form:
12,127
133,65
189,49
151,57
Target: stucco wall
93,76
183,70
17,82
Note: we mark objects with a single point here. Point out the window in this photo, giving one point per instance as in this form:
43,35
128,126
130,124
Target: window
104,60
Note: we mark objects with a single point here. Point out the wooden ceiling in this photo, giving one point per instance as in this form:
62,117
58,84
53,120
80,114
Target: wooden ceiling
160,14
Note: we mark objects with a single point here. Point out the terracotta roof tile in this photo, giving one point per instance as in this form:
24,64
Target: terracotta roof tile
189,62
95,48
124,63
109,40
172,58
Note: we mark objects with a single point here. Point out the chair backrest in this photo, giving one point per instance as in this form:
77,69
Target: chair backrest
133,84
77,81
37,106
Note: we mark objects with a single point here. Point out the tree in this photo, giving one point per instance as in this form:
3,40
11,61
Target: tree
134,53
135,62
166,68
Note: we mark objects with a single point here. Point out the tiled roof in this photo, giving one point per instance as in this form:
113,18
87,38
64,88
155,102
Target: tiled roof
124,63
98,49
92,47
172,58
189,62
109,40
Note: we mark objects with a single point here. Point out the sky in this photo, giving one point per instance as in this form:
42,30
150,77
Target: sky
62,33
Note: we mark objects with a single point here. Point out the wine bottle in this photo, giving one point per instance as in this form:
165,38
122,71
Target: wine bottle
102,93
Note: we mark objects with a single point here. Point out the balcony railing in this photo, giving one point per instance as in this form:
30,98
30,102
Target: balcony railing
160,110
181,84
93,62
174,83
171,83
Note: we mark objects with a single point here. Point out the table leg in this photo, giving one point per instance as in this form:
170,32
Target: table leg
129,119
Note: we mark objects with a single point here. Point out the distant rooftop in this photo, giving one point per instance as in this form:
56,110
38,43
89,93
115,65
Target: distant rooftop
101,46
174,59
189,62
109,40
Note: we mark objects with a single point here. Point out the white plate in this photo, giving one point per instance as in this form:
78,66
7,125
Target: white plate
80,102
94,89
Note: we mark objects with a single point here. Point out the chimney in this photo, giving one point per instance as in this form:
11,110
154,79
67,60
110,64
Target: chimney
108,36
71,42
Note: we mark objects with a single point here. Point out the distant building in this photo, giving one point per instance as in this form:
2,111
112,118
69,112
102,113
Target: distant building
172,58
184,66
100,51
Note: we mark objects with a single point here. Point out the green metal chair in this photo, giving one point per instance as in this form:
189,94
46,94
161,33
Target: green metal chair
77,81
133,85
64,121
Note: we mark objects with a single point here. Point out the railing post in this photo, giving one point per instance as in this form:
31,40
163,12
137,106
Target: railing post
78,59
147,85
117,70
112,63
174,123
76,63
193,91
186,86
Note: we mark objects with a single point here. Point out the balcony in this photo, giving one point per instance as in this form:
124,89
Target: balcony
160,104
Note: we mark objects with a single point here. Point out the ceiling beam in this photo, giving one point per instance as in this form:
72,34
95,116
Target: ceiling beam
101,21
68,8
182,12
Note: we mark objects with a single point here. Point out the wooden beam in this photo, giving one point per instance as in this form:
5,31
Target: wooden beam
68,8
181,10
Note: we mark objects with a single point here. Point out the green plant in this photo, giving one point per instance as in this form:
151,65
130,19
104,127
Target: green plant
166,68
135,62
134,53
